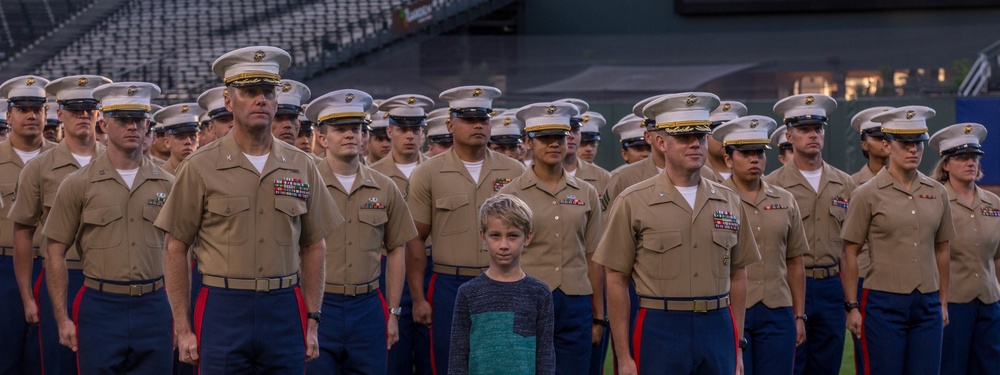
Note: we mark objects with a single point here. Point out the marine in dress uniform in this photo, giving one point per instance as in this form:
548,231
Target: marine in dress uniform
220,118
52,131
775,317
631,132
159,152
779,141
971,343
4,127
203,134
147,139
366,325
444,198
407,122
19,338
692,300
727,111
36,191
307,134
871,148
181,130
588,172
823,194
565,235
590,135
258,210
505,135
379,145
905,217
291,96
439,140
120,320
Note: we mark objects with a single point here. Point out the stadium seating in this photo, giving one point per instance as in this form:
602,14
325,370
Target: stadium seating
24,21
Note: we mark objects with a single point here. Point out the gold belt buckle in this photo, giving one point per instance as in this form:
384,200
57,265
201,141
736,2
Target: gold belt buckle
702,310
135,290
262,285
350,290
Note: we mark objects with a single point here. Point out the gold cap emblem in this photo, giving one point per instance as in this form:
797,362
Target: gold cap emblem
259,55
184,108
493,112
754,123
910,114
46,107
132,90
385,115
726,107
349,98
810,99
551,109
506,121
968,128
586,118
477,92
411,100
286,87
691,99
82,81
30,81
225,92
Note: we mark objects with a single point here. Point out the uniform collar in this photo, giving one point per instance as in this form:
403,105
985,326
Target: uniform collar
664,191
884,179
230,156
828,175
7,151
765,188
980,195
529,179
452,163
102,169
62,156
362,179
393,169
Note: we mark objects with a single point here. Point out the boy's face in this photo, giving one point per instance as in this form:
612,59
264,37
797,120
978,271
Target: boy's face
504,242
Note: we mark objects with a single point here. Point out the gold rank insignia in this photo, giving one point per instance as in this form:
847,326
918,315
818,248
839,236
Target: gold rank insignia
82,81
259,55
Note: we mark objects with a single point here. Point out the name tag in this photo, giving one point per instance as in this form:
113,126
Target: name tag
158,200
839,201
500,183
726,220
292,187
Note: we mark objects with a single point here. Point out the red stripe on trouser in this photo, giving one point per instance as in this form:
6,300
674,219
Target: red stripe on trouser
637,337
302,317
76,319
199,315
736,339
864,340
34,294
385,312
430,329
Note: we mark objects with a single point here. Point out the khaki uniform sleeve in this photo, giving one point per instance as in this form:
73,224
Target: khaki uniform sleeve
617,247
859,218
946,230
419,197
322,216
182,212
746,251
63,221
27,207
594,228
400,226
796,243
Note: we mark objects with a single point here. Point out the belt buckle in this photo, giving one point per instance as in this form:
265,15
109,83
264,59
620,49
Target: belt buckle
696,309
350,290
262,285
135,290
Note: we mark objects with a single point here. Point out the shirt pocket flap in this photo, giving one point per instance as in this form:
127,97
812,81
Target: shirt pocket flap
452,202
150,213
290,206
7,189
373,217
724,238
839,213
661,242
227,206
101,216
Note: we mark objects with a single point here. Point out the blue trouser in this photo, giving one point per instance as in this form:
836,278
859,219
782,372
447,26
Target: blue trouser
121,334
441,294
684,342
19,346
573,319
972,339
412,353
770,335
181,368
599,352
352,338
56,358
901,333
824,347
859,356
248,332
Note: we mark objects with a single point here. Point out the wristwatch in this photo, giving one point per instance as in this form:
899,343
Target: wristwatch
317,316
743,343
803,317
602,322
848,306
396,311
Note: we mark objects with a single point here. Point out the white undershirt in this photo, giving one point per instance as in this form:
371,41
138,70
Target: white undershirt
725,175
474,169
527,163
83,160
257,161
407,169
813,177
573,172
347,181
689,193
27,155
659,170
128,175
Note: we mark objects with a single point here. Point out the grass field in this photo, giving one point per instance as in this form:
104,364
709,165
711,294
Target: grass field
846,366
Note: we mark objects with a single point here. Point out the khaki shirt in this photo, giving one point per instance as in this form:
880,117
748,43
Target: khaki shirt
157,161
443,195
901,227
864,259
711,175
593,175
777,227
822,213
975,248
626,176
10,170
249,224
111,224
388,167
566,226
649,237
37,186
376,214
169,167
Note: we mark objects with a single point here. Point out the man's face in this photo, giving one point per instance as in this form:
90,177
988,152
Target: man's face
4,133
181,145
438,148
26,122
716,149
285,128
633,154
220,126
147,142
378,147
587,151
685,152
76,123
470,132
806,139
342,141
253,107
160,144
511,150
206,136
573,141
305,141
52,133
406,140
125,133
549,149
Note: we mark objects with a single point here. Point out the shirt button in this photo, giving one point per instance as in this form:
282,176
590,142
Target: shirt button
758,229
227,210
976,274
349,242
133,243
557,268
557,217
261,240
756,212
261,211
261,269
760,282
349,265
557,235
131,219
695,246
914,244
973,216
910,196
350,221
913,212
553,202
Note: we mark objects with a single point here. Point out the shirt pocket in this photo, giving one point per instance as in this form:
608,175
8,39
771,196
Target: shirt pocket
288,223
373,228
104,229
662,251
153,236
724,240
449,214
228,219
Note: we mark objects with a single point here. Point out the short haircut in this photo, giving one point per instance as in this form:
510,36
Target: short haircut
509,209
